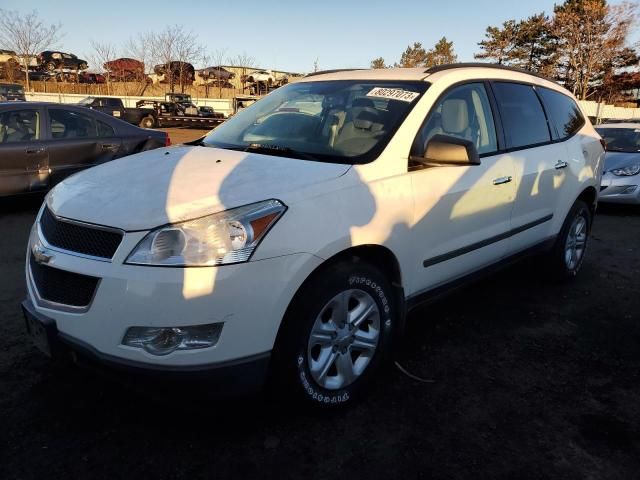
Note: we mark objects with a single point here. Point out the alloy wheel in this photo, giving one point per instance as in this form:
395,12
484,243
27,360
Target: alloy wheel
576,243
343,339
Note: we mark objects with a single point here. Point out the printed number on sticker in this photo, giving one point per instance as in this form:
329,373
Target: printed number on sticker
393,94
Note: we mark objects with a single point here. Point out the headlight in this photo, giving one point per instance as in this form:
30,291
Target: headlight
627,171
226,237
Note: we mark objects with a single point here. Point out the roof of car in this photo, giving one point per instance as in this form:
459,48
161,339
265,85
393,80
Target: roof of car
456,70
620,125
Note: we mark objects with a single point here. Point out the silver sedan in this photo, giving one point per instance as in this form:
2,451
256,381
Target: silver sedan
621,174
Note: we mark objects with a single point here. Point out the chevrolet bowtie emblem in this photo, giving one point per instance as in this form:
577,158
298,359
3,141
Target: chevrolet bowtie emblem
40,254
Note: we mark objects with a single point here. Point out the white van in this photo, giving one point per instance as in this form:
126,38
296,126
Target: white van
290,242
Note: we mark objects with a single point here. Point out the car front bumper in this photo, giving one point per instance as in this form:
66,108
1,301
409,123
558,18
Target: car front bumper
249,299
616,189
246,375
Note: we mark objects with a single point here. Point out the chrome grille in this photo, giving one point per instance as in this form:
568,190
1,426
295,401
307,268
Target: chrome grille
81,238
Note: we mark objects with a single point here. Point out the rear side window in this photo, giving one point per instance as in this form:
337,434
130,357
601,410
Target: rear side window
104,130
68,124
564,114
522,115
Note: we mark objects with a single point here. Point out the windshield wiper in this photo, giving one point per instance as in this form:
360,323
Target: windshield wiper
270,149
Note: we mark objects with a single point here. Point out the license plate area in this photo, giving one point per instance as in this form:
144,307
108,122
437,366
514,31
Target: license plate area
39,333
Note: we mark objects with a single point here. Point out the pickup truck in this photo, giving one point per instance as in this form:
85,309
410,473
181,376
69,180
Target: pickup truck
143,117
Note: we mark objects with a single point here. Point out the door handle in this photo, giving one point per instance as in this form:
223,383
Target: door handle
32,151
561,164
109,146
501,180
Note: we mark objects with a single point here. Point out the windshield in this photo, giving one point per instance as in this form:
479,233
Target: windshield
346,121
621,139
86,101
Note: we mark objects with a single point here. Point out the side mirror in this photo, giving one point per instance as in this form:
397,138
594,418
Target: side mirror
448,150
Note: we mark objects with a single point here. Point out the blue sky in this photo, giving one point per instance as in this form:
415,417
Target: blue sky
288,34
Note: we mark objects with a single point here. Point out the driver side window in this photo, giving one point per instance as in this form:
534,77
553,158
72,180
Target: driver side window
464,112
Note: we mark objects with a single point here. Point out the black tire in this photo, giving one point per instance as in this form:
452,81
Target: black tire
558,262
147,122
50,66
291,366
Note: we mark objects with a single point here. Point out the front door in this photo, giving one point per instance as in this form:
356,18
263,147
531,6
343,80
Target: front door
462,214
23,154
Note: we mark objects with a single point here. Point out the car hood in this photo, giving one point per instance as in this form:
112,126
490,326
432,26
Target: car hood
620,159
174,184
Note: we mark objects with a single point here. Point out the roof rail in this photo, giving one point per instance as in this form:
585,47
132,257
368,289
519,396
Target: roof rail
335,70
451,66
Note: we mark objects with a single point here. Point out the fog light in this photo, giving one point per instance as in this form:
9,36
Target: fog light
164,340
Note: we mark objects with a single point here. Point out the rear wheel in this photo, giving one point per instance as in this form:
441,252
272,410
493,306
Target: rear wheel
337,335
147,122
567,256
50,66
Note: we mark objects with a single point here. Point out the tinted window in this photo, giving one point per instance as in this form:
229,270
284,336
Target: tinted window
464,112
19,126
104,130
564,113
68,124
621,139
522,115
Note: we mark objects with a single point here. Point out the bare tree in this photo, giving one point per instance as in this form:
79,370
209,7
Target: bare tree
187,51
244,62
101,54
141,49
27,35
219,57
176,48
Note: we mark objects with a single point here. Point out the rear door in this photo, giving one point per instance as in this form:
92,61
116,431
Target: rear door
581,151
77,140
23,154
534,157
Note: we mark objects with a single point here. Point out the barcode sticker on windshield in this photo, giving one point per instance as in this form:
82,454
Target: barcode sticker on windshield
393,94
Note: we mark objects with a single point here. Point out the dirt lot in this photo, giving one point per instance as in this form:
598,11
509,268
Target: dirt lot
181,135
531,380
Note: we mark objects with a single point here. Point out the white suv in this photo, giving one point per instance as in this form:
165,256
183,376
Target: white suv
290,242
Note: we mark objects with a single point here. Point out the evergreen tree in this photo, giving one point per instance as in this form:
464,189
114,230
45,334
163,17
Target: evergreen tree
441,54
378,63
499,43
413,56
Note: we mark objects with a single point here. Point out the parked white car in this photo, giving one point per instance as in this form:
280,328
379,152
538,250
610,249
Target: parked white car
260,76
291,241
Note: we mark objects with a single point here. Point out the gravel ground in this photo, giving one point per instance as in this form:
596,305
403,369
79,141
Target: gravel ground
530,380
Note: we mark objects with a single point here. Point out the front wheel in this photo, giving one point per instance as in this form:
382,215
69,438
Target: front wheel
337,335
567,256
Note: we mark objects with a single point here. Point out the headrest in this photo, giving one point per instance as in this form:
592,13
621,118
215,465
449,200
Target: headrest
455,116
363,102
368,119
